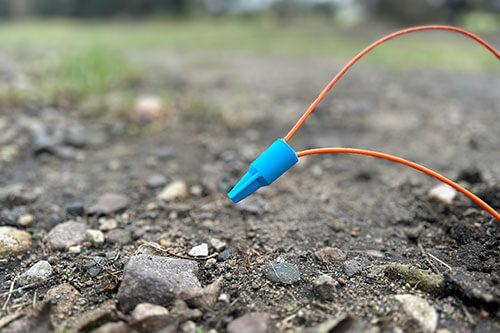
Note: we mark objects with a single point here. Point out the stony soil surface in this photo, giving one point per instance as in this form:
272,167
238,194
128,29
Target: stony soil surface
330,245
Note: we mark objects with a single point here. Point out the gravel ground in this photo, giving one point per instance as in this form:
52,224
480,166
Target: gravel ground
330,245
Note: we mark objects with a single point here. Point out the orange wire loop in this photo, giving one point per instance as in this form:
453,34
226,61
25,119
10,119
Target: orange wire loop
368,49
414,165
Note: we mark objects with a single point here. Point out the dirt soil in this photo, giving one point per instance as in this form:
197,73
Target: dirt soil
375,211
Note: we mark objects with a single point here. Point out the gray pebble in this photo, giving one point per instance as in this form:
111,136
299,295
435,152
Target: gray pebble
76,208
156,180
95,265
351,268
283,273
224,255
38,273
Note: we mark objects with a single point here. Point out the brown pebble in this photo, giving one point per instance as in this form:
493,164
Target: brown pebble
341,281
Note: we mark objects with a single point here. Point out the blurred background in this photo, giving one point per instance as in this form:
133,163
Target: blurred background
66,51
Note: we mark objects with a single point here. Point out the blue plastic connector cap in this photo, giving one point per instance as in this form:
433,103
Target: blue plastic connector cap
268,167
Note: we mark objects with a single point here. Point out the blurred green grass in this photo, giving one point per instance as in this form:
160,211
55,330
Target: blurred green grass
300,38
84,58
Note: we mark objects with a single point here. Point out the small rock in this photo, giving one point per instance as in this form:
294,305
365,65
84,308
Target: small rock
424,280
471,175
96,237
253,322
173,191
253,205
95,265
7,220
443,193
109,203
107,224
165,153
156,280
420,311
66,234
187,327
337,225
149,317
76,208
351,268
75,249
374,253
217,244
149,108
325,287
63,297
76,136
210,263
223,298
114,327
341,281
119,236
199,251
156,180
203,298
330,254
224,255
38,273
283,273
146,310
13,242
26,220
196,190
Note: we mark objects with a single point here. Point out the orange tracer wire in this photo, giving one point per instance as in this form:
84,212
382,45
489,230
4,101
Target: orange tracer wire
368,49
414,165
419,167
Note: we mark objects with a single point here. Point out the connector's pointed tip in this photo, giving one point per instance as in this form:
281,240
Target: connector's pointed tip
250,183
271,164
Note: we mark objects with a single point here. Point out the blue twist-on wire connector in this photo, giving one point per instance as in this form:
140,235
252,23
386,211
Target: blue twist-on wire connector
268,167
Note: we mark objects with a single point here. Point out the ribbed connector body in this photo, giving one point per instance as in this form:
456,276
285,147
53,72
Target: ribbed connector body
268,167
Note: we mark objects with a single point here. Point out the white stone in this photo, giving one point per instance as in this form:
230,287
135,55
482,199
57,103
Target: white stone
224,298
26,220
217,244
420,310
107,224
96,237
175,190
146,310
210,263
199,251
75,249
38,273
443,193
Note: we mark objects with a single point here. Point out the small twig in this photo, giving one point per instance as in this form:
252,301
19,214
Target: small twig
427,257
468,315
22,288
34,297
440,261
10,292
172,253
290,317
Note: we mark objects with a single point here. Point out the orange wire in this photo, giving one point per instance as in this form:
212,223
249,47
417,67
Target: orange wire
368,49
337,77
419,167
